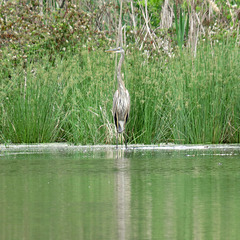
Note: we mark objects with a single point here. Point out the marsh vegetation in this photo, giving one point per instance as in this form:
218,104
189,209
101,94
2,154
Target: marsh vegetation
57,82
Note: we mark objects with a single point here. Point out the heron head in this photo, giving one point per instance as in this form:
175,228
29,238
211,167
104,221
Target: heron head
115,50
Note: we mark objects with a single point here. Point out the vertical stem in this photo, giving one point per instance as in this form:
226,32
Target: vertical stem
25,84
125,139
133,19
41,7
119,39
146,12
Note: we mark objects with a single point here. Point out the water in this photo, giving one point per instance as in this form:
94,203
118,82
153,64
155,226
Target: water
100,193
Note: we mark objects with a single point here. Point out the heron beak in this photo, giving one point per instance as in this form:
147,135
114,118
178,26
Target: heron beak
111,50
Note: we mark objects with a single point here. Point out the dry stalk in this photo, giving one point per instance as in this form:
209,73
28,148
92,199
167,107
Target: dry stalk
235,13
41,7
110,128
148,31
195,28
166,15
118,41
214,6
133,19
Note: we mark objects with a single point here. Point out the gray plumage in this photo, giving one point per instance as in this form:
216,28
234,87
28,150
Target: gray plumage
121,98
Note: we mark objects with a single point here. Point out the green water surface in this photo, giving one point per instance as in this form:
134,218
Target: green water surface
108,194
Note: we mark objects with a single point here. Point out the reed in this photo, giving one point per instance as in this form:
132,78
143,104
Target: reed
184,99
206,96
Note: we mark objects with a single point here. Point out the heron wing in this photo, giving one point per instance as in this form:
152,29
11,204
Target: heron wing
121,107
114,110
115,97
128,104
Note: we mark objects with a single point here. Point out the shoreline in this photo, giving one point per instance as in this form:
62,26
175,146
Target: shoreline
55,147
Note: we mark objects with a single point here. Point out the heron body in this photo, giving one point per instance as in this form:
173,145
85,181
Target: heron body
121,107
121,99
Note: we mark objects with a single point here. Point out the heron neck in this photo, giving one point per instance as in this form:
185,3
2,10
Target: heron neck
119,77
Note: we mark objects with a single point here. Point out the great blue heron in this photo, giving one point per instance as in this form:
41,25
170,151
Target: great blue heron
121,99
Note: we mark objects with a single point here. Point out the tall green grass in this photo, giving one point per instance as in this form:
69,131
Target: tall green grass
207,96
184,99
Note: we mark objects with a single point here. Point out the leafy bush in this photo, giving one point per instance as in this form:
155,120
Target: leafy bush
26,30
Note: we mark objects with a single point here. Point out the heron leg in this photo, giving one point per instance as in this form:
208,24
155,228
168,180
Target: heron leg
125,139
